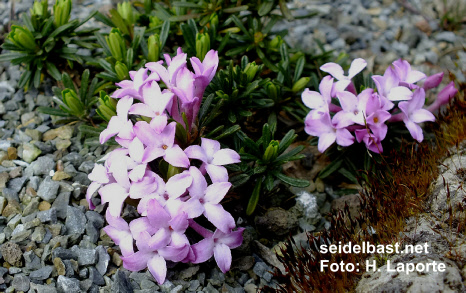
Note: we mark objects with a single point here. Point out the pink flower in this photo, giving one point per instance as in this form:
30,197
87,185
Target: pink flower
213,158
336,71
327,132
414,114
217,244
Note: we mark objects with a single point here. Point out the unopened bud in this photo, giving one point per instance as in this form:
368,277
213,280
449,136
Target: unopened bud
117,45
153,44
61,12
271,152
276,42
121,71
272,91
300,84
202,45
70,98
107,107
126,12
22,37
251,70
39,8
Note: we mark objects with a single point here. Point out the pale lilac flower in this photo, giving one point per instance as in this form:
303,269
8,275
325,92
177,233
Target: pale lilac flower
354,108
406,74
118,230
154,106
444,97
217,244
372,141
388,86
205,200
132,88
168,75
319,102
98,176
213,158
204,71
376,117
336,71
433,81
120,125
161,144
414,114
327,132
153,255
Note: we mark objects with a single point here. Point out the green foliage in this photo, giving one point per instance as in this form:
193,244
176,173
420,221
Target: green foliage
42,44
262,161
75,103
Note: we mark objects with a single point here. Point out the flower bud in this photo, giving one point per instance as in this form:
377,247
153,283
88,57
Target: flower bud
433,81
126,12
61,12
117,45
155,22
300,84
70,98
22,38
271,152
202,45
121,71
272,91
251,70
39,8
276,42
107,107
153,44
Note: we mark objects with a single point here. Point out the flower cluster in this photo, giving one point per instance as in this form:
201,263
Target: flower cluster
364,115
152,170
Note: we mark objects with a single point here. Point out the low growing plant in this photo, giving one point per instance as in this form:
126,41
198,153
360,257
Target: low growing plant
46,41
343,112
161,169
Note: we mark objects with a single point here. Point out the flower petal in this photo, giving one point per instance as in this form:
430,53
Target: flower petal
222,254
219,217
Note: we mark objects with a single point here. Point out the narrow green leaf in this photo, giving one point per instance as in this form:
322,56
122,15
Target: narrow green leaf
205,106
348,175
236,9
239,24
285,11
164,33
254,199
286,141
265,7
104,19
239,179
52,69
228,132
101,40
186,5
332,167
67,82
185,17
27,22
119,22
10,56
37,78
299,68
84,85
292,181
53,111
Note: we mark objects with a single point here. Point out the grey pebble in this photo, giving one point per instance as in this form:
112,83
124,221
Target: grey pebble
48,189
21,283
75,221
42,273
68,285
